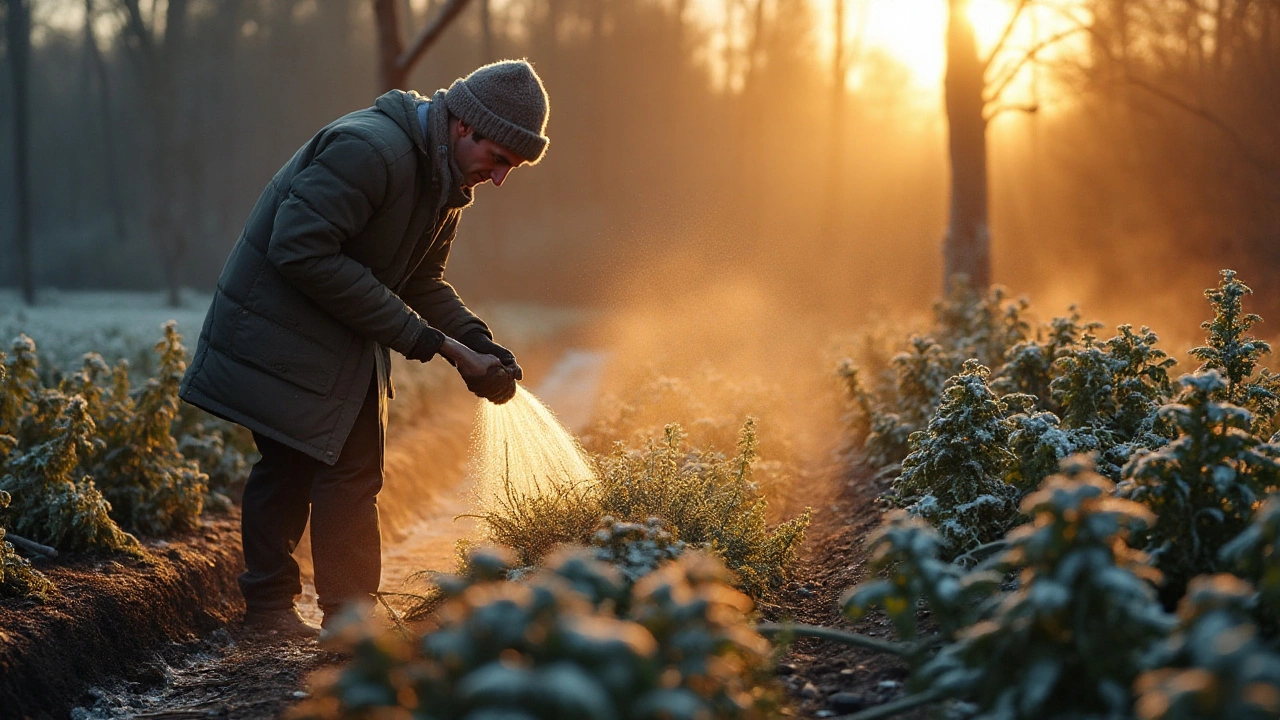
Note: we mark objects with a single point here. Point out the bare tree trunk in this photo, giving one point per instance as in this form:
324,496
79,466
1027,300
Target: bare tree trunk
486,33
104,117
19,41
390,73
394,61
966,248
159,58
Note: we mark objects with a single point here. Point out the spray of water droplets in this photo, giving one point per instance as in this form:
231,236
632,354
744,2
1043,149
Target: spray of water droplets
520,446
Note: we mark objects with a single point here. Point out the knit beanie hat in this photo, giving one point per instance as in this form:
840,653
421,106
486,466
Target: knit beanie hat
505,102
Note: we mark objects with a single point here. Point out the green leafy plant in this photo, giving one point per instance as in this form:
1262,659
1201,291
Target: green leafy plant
17,578
558,646
1214,666
708,501
1202,486
1070,639
705,499
953,478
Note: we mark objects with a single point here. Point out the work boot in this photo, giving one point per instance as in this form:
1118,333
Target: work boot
285,622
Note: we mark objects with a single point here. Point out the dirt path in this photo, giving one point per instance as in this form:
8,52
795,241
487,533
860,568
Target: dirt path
227,674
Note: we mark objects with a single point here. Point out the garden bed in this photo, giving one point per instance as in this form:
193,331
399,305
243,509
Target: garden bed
111,618
825,678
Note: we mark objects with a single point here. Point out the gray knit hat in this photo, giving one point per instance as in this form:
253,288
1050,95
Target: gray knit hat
505,102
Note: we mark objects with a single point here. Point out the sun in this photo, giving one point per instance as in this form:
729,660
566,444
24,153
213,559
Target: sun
913,32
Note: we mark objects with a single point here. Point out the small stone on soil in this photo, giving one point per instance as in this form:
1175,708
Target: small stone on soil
809,692
785,669
844,703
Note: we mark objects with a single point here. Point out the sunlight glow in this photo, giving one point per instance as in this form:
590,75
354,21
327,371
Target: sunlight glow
913,34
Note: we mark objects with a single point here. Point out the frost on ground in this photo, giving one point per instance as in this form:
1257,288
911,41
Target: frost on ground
117,325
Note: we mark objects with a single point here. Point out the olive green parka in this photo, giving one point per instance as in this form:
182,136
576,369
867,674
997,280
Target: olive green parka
342,257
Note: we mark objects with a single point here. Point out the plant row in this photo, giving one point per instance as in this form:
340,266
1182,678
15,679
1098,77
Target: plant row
1051,596
87,460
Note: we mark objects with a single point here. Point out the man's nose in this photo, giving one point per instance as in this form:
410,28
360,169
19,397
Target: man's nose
499,175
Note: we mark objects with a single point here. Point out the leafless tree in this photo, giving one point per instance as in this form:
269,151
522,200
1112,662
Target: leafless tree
156,48
974,91
111,169
18,25
394,61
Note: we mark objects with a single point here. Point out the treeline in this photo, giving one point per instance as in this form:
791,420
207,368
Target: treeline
678,136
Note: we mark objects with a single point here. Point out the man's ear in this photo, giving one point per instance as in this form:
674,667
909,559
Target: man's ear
464,130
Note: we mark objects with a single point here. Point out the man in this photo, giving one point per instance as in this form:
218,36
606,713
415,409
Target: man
341,259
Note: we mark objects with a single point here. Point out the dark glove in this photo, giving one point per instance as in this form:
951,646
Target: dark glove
497,387
480,342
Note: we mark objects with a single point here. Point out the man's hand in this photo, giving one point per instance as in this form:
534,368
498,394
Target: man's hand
481,343
484,374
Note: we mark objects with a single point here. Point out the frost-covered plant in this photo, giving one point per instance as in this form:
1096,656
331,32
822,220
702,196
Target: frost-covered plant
224,451
1038,442
1202,486
152,488
954,476
905,552
1214,667
53,503
1114,385
1231,350
1255,555
1069,641
635,549
1030,366
19,384
1110,392
705,499
980,325
561,646
17,578
922,371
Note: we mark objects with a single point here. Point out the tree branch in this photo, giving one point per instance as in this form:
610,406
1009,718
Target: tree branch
431,33
138,28
1027,57
1248,153
842,636
1004,36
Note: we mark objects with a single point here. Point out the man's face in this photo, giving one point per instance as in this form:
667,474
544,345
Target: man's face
483,160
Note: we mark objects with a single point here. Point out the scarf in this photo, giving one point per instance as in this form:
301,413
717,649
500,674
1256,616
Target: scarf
436,130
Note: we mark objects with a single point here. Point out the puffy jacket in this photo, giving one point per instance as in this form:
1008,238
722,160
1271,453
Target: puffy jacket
342,256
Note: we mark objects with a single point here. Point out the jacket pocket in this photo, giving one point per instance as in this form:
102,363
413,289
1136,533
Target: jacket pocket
284,353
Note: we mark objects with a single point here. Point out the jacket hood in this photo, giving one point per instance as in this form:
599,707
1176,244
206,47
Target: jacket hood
402,107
